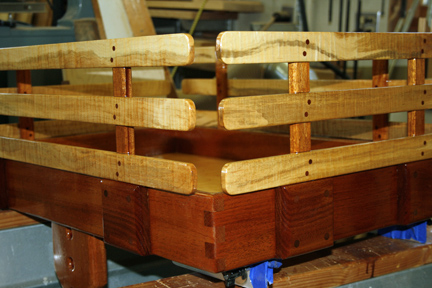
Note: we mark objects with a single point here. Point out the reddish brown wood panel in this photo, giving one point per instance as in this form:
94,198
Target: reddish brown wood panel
179,231
418,191
126,216
304,218
221,81
67,198
79,259
365,201
3,195
248,221
416,76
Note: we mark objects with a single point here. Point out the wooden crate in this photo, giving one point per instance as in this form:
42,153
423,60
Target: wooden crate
155,176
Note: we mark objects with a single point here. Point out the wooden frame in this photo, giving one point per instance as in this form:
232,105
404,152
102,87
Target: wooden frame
154,191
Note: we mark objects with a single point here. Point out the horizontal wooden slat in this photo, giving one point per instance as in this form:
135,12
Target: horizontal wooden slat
253,87
203,55
141,88
11,219
160,113
275,47
270,110
163,50
161,174
219,5
263,173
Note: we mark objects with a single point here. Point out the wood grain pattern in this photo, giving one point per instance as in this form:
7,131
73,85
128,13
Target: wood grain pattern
205,55
380,123
165,175
79,259
139,18
273,47
24,86
252,87
183,281
300,134
11,219
252,175
34,190
221,82
160,113
165,50
365,201
126,216
416,76
233,6
260,111
304,218
140,88
122,86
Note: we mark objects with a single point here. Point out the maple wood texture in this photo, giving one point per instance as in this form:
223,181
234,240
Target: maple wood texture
236,47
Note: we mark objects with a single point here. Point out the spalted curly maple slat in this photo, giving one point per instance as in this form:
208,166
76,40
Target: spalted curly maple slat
272,47
162,50
160,113
268,110
252,175
168,175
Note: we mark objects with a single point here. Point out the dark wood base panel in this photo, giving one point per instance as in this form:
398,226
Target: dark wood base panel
221,232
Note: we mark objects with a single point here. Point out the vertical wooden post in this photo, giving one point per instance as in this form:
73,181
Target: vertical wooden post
380,78
25,124
221,82
416,76
79,258
300,134
297,205
125,138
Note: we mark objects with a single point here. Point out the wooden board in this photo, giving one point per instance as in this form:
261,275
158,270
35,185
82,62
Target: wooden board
190,14
252,87
219,5
270,110
166,50
146,171
160,113
11,219
204,55
258,174
277,47
141,89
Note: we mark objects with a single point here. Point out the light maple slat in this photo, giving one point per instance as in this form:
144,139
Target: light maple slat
160,113
163,50
161,174
253,87
57,128
205,55
275,47
141,89
263,173
260,111
218,5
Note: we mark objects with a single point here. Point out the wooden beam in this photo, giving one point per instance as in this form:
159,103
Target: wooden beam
190,14
160,113
274,47
219,5
258,174
380,123
141,88
161,174
205,55
164,50
260,111
253,87
11,219
416,76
